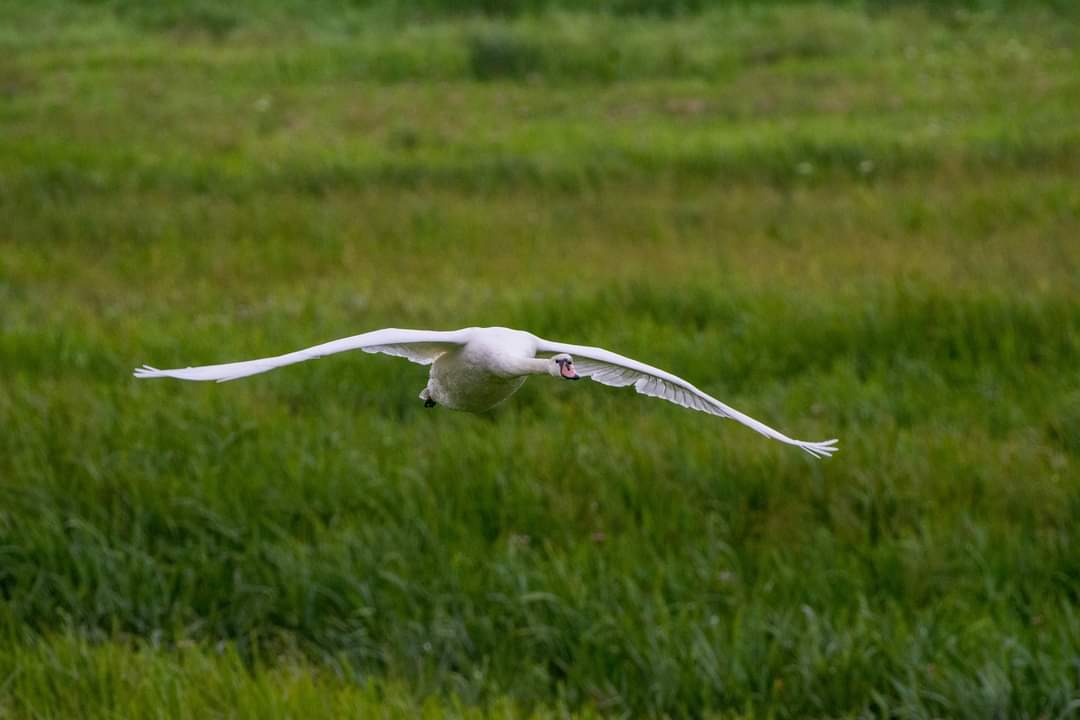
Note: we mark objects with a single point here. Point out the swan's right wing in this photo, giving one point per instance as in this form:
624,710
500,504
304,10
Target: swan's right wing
608,368
419,346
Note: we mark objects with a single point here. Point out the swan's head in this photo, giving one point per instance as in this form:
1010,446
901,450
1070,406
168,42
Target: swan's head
563,366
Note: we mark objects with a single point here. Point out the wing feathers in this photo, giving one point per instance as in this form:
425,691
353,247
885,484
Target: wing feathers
419,346
419,353
612,369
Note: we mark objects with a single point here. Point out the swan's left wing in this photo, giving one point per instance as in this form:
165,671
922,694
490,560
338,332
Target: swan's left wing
613,369
419,346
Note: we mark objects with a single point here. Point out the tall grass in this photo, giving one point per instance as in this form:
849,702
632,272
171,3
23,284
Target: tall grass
845,222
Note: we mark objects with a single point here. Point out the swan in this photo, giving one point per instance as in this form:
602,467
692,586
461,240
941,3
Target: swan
475,369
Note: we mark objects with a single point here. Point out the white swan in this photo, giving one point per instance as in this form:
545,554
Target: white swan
475,369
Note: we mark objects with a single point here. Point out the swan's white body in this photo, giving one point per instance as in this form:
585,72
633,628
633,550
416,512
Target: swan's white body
475,369
490,367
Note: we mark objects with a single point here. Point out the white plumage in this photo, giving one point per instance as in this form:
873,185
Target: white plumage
475,369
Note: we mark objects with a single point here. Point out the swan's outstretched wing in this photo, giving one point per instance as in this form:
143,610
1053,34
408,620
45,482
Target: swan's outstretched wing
613,369
419,346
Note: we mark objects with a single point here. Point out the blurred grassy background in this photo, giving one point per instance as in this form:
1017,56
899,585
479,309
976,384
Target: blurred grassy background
849,219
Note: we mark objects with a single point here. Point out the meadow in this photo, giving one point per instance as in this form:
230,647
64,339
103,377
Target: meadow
852,220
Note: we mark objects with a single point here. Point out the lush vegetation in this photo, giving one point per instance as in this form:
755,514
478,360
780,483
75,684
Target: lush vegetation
847,220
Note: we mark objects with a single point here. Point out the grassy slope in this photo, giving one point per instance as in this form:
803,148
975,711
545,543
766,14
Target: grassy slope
844,224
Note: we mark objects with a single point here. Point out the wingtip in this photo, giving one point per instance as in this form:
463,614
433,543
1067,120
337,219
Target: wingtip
821,449
146,371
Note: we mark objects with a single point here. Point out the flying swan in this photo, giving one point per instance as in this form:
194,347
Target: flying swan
475,369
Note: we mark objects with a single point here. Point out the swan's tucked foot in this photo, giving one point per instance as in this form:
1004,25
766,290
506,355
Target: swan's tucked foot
429,403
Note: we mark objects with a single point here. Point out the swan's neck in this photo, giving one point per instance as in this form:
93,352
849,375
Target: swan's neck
530,366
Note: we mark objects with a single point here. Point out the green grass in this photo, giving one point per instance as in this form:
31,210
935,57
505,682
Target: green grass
846,220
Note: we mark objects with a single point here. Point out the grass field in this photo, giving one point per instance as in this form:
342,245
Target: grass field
850,220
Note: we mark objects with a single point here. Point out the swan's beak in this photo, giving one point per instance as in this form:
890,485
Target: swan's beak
568,372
